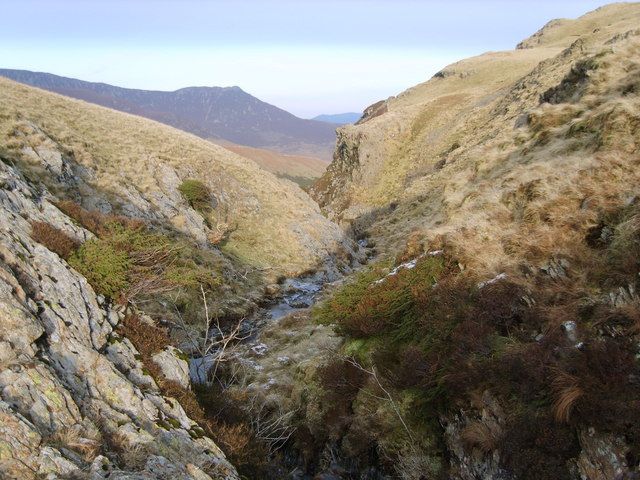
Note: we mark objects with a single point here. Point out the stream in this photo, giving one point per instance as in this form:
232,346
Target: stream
295,294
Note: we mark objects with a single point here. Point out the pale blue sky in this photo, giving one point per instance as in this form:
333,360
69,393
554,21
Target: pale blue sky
307,56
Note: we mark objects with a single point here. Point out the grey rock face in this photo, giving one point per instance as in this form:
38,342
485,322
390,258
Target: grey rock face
173,366
603,456
69,388
469,462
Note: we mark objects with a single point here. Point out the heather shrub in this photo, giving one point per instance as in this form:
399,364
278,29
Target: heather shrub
54,239
604,374
342,303
96,222
535,447
374,303
341,378
104,267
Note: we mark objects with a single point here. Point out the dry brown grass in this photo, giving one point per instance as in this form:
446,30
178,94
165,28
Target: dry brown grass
133,455
280,163
54,239
503,181
479,435
567,393
95,221
73,439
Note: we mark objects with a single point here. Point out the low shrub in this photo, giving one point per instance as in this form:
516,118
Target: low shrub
54,239
197,194
606,375
128,261
374,303
148,338
105,268
341,378
97,222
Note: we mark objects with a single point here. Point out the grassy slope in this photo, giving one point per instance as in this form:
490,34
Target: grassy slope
128,151
544,193
478,100
476,187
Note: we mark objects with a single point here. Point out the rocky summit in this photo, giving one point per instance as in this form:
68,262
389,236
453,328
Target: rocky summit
455,298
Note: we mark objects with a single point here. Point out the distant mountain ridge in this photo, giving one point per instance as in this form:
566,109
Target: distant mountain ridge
339,118
222,113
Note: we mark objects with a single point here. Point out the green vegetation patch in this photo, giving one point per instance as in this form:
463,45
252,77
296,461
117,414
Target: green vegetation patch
197,194
104,267
129,261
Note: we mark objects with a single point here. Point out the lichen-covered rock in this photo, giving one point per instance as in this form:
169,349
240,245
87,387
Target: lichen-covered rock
174,365
68,391
471,437
603,457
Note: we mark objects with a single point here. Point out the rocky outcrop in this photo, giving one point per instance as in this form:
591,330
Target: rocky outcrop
174,365
73,396
471,441
373,111
603,457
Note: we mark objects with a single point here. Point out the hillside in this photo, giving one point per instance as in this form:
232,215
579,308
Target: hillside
126,162
209,112
430,140
169,309
496,336
120,240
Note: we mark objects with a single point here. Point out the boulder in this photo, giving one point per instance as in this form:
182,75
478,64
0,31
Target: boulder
174,365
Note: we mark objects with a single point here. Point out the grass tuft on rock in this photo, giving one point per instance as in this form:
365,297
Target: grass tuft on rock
197,194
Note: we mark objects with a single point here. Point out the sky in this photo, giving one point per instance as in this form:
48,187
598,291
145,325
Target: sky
307,56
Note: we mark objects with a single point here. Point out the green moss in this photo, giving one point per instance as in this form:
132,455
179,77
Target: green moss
163,424
197,194
181,355
174,422
55,397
